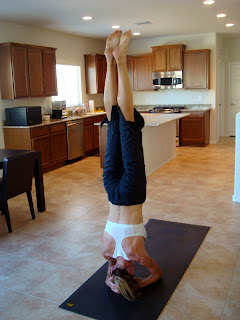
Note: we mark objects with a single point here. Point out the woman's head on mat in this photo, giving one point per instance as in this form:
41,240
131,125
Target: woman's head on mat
127,284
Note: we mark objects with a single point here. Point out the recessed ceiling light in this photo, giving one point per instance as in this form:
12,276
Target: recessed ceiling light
208,2
136,33
87,18
221,15
229,25
116,26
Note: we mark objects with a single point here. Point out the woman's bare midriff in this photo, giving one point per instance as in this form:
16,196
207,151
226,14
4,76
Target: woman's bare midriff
125,214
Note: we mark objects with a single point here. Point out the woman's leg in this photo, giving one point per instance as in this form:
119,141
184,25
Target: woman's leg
125,100
110,89
113,166
131,188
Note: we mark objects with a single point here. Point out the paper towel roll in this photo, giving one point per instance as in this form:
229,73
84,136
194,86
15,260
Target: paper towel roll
91,106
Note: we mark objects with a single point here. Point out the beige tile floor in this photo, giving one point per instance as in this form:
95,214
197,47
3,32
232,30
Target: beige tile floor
44,261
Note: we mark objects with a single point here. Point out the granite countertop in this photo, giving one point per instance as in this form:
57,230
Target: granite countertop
54,121
186,107
195,109
153,119
156,119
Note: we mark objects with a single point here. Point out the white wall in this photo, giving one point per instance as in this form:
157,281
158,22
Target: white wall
181,96
70,50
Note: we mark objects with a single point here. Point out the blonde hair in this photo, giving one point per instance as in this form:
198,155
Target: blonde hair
126,284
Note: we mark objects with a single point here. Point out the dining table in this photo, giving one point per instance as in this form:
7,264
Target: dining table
38,175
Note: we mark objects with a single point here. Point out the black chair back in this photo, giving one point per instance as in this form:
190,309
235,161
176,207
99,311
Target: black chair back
18,172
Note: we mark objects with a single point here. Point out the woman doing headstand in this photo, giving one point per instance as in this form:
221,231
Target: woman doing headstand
124,178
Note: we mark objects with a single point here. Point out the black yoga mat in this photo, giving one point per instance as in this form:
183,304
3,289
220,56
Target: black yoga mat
173,245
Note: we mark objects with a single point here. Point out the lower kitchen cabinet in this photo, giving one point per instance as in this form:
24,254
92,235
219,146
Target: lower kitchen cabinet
43,144
51,140
58,142
194,130
89,144
91,133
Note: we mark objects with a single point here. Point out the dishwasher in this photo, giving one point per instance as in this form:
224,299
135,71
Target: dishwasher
75,139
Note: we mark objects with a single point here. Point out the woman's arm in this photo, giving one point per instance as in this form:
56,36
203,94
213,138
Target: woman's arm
109,278
153,267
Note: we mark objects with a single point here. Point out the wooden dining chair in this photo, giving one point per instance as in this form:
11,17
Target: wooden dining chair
18,172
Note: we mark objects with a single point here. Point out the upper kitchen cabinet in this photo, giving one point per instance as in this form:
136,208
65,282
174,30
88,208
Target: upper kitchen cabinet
35,72
140,72
95,73
197,69
49,72
168,58
143,72
130,70
27,71
14,72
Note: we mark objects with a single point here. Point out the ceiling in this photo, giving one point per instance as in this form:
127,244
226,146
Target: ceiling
167,17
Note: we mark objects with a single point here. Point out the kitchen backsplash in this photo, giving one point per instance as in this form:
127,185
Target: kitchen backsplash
185,106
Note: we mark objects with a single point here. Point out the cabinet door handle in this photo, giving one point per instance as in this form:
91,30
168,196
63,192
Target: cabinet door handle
233,104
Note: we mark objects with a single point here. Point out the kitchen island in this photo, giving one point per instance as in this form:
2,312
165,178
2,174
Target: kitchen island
159,139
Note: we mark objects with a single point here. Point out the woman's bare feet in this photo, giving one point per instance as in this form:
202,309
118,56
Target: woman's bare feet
112,42
119,52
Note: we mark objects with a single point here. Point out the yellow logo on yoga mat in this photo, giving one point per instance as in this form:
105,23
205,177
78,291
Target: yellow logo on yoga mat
70,304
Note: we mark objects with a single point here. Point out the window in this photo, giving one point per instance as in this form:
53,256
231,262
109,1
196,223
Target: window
69,85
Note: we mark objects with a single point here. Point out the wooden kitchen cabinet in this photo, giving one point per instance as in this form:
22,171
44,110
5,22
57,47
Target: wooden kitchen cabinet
130,67
49,72
140,72
91,133
51,140
197,69
95,73
168,58
27,71
96,136
194,130
89,141
35,72
14,72
43,144
143,72
58,137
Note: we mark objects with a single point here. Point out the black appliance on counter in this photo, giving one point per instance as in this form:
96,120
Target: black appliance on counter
23,116
57,114
168,109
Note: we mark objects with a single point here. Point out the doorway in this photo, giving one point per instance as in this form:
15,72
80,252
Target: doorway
233,96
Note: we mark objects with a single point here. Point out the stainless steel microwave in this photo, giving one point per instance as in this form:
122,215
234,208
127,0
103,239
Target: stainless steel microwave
167,80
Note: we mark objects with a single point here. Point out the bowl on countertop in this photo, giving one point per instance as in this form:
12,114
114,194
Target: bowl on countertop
46,117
